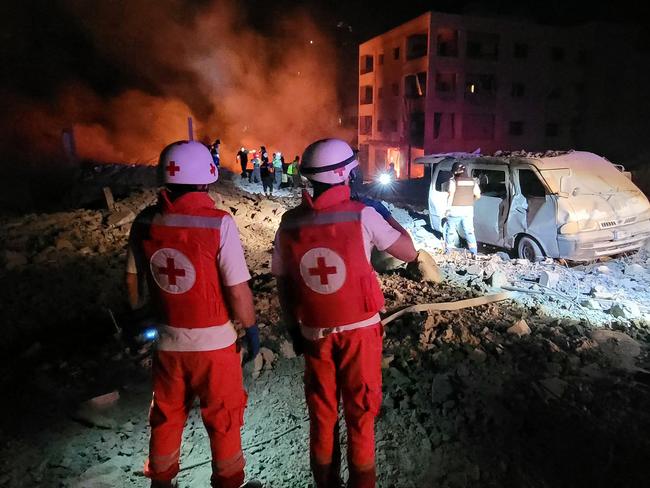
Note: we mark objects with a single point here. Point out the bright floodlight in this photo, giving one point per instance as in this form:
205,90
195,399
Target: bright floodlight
384,179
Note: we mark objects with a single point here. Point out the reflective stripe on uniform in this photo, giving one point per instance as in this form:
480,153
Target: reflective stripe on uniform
314,334
179,339
181,220
465,183
323,218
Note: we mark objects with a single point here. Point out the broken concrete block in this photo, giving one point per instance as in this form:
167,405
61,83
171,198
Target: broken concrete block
599,291
497,279
118,219
603,269
268,356
634,270
519,328
625,310
618,347
549,279
286,349
104,401
424,268
554,386
591,304
14,259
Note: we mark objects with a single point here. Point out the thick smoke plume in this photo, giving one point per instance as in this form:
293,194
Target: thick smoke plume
246,87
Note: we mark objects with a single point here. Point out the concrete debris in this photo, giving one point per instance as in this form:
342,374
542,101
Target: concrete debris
618,347
519,328
108,197
549,279
286,349
626,310
448,377
497,279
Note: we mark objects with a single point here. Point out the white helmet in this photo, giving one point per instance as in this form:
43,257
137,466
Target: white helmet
328,161
187,163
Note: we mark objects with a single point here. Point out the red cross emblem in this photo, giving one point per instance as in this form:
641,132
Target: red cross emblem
213,169
322,271
339,171
172,168
171,271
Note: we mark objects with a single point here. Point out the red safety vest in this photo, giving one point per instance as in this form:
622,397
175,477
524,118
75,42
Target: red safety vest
321,243
182,249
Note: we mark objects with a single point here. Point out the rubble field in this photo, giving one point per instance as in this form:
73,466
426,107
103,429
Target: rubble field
549,388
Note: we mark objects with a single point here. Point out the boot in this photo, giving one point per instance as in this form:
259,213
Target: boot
233,481
362,479
252,484
164,484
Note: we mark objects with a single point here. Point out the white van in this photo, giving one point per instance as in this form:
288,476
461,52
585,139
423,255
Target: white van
573,205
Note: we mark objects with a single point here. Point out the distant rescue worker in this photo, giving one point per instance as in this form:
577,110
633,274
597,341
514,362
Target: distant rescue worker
214,151
293,171
264,155
277,168
255,175
266,172
463,191
190,255
242,157
331,298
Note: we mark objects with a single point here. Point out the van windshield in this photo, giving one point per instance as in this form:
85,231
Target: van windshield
600,180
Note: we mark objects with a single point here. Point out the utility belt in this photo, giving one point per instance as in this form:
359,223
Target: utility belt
317,333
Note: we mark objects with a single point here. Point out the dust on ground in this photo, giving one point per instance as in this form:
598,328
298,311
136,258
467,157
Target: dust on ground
549,388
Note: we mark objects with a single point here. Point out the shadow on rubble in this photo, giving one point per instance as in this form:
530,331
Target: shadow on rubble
501,410
58,345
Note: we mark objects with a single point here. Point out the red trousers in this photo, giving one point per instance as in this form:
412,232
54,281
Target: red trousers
346,365
216,378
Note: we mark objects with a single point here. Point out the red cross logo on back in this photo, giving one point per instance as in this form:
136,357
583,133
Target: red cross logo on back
213,169
172,168
171,271
322,271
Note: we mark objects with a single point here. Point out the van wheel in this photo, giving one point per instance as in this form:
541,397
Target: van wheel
527,248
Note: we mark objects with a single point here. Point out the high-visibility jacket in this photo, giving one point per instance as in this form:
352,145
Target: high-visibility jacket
322,245
464,194
182,248
292,169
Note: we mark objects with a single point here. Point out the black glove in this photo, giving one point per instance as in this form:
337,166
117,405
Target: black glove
297,340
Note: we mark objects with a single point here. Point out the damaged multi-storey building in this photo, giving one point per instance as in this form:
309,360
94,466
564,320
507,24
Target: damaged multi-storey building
443,82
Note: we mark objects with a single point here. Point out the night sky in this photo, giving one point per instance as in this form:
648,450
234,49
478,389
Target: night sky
48,46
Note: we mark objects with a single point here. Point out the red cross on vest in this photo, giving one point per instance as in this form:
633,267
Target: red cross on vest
339,171
172,168
213,169
322,271
171,271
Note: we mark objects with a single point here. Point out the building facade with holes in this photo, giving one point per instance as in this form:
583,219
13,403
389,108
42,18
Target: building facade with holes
444,82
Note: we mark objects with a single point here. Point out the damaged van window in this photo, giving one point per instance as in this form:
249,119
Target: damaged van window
492,182
443,177
530,185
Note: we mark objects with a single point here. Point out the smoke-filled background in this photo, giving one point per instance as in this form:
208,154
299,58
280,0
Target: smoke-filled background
136,70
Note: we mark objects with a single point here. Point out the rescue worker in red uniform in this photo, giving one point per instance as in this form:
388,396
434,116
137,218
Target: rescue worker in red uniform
331,300
190,255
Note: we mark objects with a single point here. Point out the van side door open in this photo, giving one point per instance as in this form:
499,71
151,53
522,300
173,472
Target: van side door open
491,209
532,212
